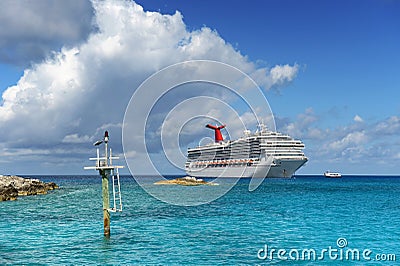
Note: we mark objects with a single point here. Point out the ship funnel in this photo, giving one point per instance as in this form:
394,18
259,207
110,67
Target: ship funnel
217,129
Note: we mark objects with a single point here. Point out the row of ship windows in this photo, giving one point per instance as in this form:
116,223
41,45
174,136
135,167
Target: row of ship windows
217,158
255,146
286,151
240,155
228,156
226,153
221,164
242,152
285,154
235,158
241,147
228,149
283,145
245,154
239,144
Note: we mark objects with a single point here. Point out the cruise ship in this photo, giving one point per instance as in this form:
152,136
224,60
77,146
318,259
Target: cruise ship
263,153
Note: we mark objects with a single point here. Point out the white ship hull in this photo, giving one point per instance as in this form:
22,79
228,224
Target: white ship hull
278,169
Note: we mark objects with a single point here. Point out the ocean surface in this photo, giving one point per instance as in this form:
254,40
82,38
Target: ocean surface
335,218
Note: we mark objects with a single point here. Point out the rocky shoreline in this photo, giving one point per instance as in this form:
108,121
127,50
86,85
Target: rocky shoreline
13,186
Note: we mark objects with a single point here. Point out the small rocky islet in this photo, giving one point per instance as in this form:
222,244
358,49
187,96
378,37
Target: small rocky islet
13,186
185,181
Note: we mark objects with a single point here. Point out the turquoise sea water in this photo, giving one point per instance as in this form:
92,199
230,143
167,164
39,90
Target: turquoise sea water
65,226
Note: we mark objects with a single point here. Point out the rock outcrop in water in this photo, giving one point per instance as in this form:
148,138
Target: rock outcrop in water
13,186
185,181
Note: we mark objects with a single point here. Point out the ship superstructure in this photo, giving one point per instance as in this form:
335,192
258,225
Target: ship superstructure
263,153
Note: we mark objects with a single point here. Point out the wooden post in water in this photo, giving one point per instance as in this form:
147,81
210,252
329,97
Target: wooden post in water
107,170
105,174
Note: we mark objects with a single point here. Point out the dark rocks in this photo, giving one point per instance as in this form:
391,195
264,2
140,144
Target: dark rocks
8,193
13,186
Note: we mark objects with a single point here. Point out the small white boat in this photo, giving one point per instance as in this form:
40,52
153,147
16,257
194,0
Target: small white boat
332,174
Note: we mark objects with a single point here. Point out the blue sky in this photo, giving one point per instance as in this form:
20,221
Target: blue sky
348,49
343,102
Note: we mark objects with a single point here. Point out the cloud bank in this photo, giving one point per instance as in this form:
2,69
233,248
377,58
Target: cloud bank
367,146
70,98
30,30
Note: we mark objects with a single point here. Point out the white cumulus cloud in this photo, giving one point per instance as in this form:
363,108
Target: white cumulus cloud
282,74
358,118
75,138
351,139
68,98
